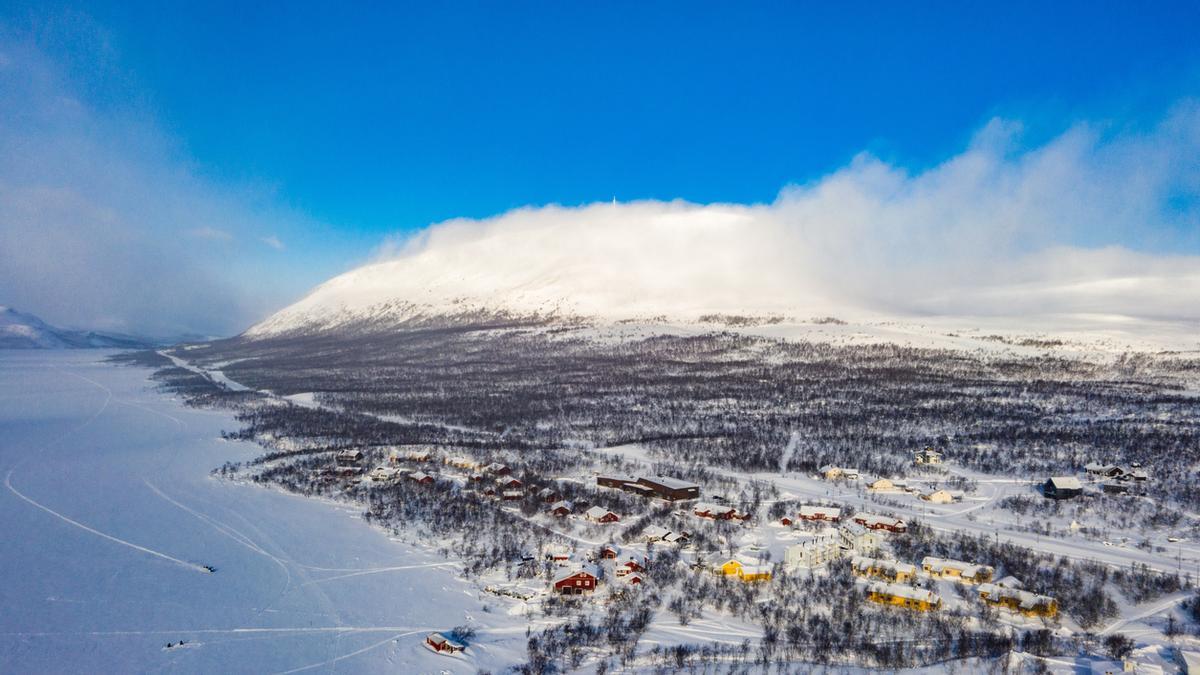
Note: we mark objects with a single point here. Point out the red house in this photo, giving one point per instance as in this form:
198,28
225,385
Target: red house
498,469
442,644
422,478
714,512
630,564
561,509
599,514
575,583
610,551
872,521
509,483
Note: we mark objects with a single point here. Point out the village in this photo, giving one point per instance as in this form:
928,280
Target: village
610,530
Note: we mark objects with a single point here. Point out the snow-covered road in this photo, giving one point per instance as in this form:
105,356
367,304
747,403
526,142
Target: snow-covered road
108,513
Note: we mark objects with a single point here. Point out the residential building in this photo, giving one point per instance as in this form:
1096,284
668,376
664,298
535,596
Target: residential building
957,570
890,570
903,596
1062,487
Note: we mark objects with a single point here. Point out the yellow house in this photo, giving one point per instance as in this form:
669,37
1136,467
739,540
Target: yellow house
750,573
958,570
744,572
1029,604
900,595
882,485
731,568
939,497
883,569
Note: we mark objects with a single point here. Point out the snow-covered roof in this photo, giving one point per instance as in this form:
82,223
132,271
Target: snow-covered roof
440,638
853,529
655,532
708,507
597,512
812,511
1066,483
673,483
572,571
1025,599
564,504
755,569
939,565
876,519
903,591
863,563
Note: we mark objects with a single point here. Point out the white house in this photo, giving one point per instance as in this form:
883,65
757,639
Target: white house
856,538
813,553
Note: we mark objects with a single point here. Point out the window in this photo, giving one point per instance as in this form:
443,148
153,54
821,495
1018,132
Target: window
578,582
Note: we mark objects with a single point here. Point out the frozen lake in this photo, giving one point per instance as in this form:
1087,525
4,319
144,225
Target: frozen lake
108,509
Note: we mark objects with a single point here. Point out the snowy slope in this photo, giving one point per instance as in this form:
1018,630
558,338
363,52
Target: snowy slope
106,485
19,330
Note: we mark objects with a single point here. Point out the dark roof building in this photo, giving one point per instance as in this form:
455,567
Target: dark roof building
1062,487
673,489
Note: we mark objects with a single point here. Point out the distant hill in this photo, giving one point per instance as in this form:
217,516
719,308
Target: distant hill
19,330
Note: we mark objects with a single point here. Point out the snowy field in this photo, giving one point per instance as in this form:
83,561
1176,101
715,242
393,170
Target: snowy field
108,515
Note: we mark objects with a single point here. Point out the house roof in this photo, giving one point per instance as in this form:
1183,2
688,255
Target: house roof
820,510
941,564
860,562
560,505
440,638
854,529
655,532
871,518
1066,483
672,483
570,572
597,512
903,591
1025,599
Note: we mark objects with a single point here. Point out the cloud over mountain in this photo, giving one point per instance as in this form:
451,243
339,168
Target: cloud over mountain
1071,227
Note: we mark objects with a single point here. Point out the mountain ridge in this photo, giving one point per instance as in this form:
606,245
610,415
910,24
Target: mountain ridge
21,330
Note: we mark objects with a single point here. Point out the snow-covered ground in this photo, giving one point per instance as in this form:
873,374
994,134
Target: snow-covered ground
108,513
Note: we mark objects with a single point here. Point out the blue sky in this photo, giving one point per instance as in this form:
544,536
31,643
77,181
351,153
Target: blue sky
339,126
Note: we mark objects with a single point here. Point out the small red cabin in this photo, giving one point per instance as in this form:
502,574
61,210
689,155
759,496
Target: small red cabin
442,644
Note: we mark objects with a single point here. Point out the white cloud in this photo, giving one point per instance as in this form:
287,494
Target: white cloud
998,230
100,213
273,242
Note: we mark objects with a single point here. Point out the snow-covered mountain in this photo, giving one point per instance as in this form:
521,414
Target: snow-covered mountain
677,263
610,262
19,330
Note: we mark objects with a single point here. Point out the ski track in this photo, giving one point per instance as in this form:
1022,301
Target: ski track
8,484
380,570
351,654
158,554
233,534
